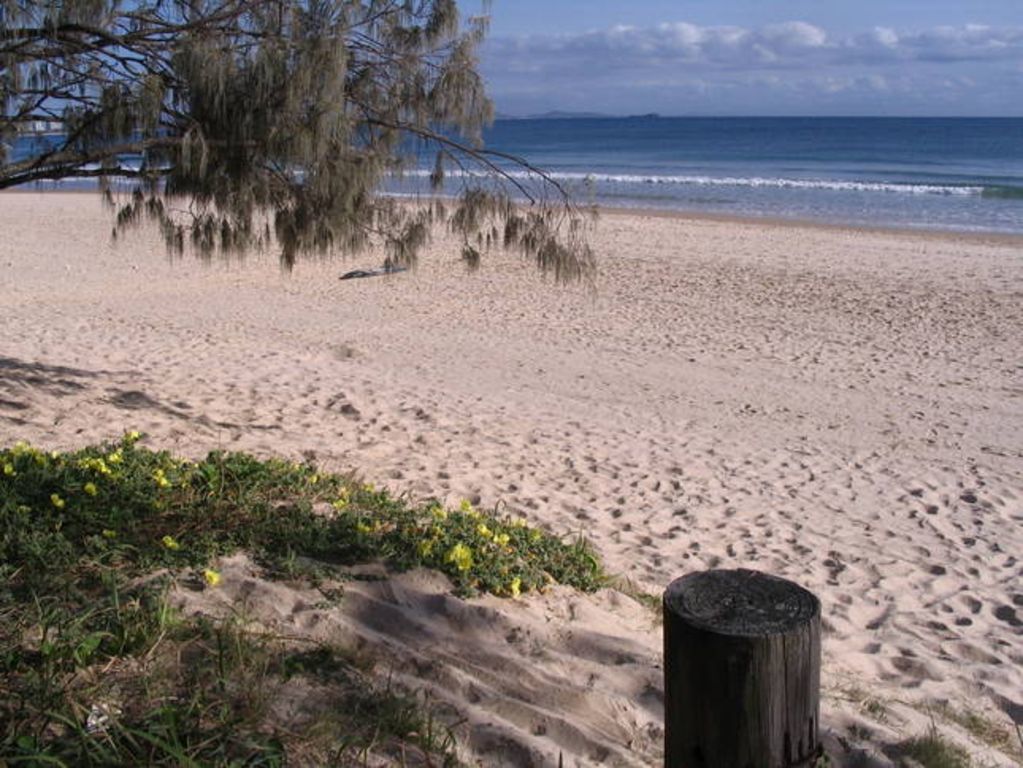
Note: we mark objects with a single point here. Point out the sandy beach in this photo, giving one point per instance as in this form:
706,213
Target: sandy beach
840,407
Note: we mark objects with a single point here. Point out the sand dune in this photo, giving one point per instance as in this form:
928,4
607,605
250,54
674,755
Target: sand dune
838,407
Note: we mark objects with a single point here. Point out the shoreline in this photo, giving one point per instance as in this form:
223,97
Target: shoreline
997,238
967,236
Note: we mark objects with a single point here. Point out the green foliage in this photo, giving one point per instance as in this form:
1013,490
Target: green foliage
207,700
82,535
933,751
126,507
480,552
272,122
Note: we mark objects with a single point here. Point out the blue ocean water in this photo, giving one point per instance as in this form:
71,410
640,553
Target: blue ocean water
963,174
958,174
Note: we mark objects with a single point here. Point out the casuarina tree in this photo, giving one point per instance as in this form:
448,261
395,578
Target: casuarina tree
235,124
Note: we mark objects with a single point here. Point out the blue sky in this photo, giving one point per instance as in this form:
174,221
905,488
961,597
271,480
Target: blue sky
756,57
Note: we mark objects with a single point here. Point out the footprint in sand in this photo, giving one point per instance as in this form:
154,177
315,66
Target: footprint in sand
1008,614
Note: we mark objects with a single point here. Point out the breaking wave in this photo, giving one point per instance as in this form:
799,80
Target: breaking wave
837,185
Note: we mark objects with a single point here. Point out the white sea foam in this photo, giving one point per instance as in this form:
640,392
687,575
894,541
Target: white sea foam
837,185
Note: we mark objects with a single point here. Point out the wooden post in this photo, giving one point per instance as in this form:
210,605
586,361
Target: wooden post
742,666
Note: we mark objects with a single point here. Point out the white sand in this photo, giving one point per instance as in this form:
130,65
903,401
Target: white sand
834,406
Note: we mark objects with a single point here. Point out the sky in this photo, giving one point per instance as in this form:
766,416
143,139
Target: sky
755,57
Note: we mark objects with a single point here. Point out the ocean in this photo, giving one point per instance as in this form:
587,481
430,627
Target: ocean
955,174
958,174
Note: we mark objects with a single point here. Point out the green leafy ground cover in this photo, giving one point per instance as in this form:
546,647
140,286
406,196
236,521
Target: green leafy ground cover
97,669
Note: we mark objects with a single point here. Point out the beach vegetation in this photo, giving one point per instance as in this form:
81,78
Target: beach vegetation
98,667
233,126
932,750
981,727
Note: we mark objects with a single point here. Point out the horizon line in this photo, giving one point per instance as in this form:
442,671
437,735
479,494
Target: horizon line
587,115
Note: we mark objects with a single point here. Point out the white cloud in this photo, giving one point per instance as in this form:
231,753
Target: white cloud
792,44
885,36
794,35
615,65
974,42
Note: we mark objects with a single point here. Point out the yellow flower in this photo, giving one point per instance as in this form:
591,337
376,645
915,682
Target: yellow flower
169,543
460,556
368,487
54,455
57,501
519,522
502,539
466,506
515,588
9,470
314,479
90,488
161,478
95,464
132,437
116,457
211,577
425,548
363,528
483,531
109,534
439,513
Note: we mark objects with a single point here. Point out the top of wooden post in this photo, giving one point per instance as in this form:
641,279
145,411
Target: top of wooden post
740,602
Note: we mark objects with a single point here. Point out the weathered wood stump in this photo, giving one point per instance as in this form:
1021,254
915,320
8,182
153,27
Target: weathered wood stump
742,656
